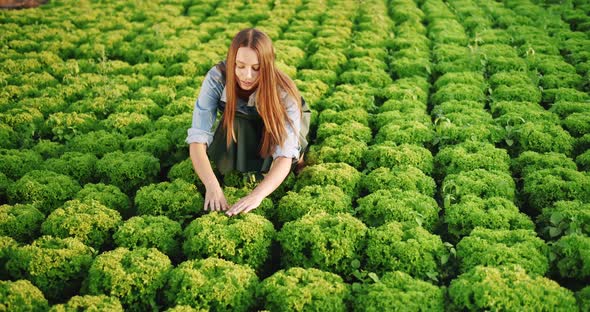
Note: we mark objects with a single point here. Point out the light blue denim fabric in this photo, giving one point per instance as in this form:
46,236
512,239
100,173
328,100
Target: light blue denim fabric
205,113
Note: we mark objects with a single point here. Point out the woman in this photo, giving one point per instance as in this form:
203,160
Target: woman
260,129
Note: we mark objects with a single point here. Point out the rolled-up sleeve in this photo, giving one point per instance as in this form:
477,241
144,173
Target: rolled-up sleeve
205,110
291,147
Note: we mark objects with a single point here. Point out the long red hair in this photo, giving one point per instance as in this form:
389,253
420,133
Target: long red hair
268,101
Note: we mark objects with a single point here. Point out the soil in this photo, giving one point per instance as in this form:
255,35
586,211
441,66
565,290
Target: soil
20,4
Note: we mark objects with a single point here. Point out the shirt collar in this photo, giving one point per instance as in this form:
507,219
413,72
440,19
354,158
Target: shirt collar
251,99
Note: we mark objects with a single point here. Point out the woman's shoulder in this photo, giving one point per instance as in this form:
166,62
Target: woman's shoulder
217,73
288,100
284,84
284,95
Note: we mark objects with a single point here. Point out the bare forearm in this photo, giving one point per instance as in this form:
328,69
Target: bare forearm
276,175
278,171
201,165
214,198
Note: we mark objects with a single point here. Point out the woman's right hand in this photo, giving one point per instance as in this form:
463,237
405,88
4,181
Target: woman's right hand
215,200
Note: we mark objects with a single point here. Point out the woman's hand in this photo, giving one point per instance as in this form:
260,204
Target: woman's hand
278,171
215,200
245,204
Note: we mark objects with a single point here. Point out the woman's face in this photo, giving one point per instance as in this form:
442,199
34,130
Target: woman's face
247,68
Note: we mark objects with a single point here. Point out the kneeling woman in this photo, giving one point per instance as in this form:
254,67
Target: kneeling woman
260,127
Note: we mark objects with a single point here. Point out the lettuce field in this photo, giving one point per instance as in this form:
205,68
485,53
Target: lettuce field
448,166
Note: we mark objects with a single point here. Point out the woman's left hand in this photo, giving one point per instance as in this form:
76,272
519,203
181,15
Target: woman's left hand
278,171
245,204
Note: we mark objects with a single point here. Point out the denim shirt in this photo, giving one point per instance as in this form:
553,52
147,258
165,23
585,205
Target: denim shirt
205,112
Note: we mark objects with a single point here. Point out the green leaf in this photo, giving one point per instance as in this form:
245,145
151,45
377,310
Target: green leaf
564,225
509,142
355,264
433,276
444,259
358,275
374,277
418,220
556,218
356,287
553,231
552,256
447,201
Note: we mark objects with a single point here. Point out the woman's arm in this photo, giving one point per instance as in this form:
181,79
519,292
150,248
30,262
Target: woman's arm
214,198
279,170
200,135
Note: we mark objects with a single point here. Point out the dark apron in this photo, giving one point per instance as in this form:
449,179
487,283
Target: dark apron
244,154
